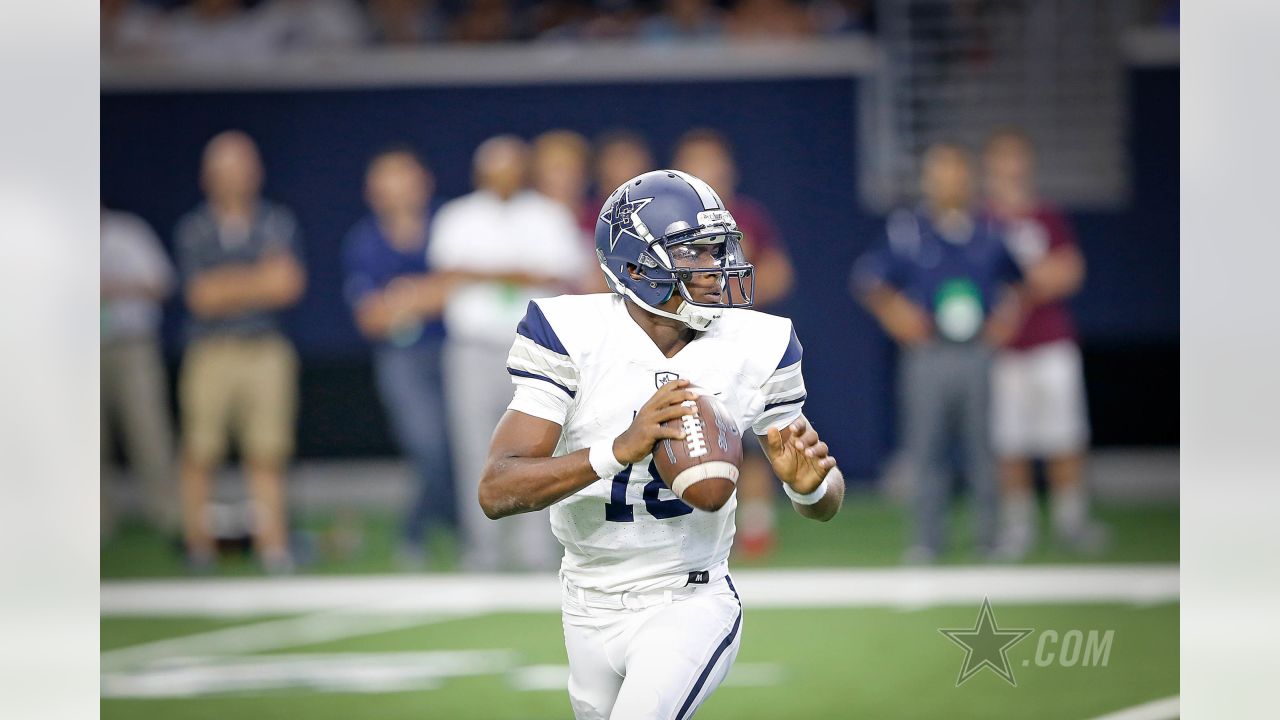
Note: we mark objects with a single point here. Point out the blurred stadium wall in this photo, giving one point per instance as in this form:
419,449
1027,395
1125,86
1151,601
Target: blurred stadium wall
803,120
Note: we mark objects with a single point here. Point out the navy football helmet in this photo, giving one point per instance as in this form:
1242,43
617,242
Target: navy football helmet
671,226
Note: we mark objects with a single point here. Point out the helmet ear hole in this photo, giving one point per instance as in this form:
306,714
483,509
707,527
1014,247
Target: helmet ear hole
634,272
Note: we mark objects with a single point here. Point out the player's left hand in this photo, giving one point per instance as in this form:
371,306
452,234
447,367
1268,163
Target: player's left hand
798,456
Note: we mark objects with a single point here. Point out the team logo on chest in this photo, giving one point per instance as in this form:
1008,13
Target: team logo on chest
662,378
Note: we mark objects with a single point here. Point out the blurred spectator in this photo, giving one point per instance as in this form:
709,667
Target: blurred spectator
683,19
561,171
559,19
507,244
706,154
835,17
484,21
136,277
398,303
314,24
407,22
217,32
1038,409
941,288
613,19
620,156
222,32
768,20
129,27
239,257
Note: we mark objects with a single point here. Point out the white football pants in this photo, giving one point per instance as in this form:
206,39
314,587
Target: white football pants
655,655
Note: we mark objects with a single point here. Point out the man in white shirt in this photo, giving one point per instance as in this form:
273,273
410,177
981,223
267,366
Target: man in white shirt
509,245
135,277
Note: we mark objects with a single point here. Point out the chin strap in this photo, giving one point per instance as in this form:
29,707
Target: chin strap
696,317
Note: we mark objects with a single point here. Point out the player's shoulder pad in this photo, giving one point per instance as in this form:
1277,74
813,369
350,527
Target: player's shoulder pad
541,355
770,340
562,324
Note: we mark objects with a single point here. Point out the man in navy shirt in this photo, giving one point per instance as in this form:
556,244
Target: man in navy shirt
941,287
397,302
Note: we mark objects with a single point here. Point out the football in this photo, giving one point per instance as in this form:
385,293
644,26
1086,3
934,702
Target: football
702,469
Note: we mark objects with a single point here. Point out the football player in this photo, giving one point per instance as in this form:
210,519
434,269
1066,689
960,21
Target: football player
652,621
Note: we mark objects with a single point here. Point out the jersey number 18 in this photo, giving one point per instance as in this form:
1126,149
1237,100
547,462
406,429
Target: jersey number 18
617,509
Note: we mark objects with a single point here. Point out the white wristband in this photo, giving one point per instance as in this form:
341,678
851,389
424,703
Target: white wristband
813,497
603,461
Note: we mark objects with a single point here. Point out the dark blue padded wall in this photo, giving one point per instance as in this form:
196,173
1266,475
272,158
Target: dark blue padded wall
795,142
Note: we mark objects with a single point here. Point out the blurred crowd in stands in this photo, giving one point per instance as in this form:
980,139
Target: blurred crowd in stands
209,29
213,30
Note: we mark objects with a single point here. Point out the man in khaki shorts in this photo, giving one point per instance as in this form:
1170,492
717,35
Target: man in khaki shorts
239,258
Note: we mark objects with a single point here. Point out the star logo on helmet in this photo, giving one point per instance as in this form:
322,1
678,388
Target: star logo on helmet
622,218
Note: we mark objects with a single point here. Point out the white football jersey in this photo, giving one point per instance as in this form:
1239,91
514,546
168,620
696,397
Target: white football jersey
582,362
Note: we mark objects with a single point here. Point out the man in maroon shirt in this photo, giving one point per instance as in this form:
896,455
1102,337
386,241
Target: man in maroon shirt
1038,401
706,154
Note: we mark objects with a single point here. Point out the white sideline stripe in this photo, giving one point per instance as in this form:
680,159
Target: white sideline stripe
333,672
540,677
269,635
1164,709
879,587
556,677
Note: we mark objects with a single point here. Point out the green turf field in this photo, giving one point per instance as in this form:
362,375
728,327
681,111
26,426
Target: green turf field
868,532
836,662
829,663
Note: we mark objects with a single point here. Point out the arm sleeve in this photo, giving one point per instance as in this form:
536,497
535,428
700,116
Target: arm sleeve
784,393
444,252
545,377
888,262
358,282
188,243
284,234
1061,234
870,269
1007,268
153,265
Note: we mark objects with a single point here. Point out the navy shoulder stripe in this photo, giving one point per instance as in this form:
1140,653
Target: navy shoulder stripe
793,352
544,378
780,403
535,327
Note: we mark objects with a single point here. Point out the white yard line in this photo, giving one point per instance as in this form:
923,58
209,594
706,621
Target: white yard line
452,594
268,636
556,677
1163,709
333,672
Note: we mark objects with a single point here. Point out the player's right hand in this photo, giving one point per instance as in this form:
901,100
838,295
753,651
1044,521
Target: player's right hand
637,441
